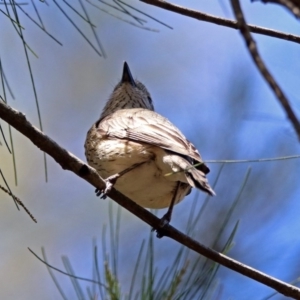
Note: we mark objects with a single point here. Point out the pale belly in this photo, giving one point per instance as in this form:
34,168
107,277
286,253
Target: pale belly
147,184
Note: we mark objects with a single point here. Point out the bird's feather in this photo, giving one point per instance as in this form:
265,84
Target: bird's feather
143,125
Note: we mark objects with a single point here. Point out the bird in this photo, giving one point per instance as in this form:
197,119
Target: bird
141,153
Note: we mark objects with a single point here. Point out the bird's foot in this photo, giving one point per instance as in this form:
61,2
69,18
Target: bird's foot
109,183
164,222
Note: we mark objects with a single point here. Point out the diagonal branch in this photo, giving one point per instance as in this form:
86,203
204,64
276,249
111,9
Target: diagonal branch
292,5
69,162
198,15
262,67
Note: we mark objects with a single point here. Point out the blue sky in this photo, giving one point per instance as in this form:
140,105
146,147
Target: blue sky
202,78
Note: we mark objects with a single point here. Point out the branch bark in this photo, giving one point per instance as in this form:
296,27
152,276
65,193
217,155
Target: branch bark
221,21
250,42
292,5
69,162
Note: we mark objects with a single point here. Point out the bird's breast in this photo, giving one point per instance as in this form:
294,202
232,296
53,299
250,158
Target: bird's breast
147,184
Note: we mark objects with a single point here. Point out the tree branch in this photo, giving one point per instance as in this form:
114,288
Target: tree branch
261,66
69,162
221,21
292,5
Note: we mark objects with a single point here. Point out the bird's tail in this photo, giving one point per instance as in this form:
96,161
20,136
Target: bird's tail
194,177
197,178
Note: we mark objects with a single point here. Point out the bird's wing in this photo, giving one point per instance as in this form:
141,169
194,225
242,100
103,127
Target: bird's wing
142,125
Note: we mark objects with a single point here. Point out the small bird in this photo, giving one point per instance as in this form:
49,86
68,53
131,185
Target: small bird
141,153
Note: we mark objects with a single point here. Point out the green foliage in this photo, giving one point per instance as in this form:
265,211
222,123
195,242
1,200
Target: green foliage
113,289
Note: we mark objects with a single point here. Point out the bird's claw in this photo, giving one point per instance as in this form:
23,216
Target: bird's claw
98,192
101,193
109,183
164,222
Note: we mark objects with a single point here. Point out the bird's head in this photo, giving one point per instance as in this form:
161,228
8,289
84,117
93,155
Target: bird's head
128,93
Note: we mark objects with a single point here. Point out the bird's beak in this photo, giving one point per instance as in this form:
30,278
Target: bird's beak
127,77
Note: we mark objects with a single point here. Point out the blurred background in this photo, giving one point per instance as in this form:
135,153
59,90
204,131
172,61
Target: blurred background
202,78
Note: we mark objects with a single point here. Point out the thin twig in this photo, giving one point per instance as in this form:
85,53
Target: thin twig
4,138
262,67
37,13
221,21
76,27
93,29
143,13
127,12
235,161
293,6
49,268
119,18
14,9
63,272
238,161
8,188
37,24
69,162
9,127
19,202
78,13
